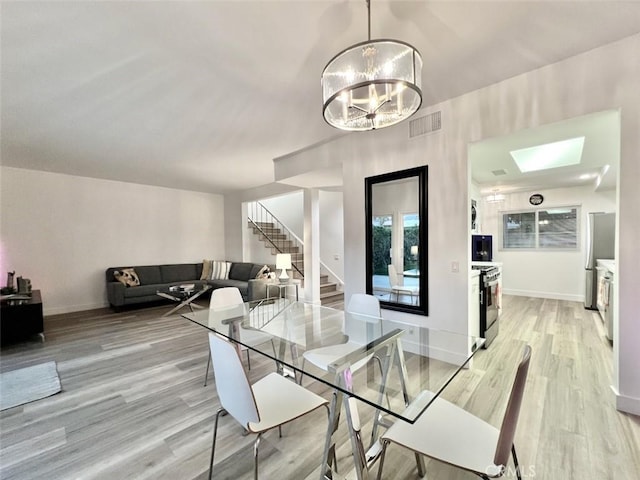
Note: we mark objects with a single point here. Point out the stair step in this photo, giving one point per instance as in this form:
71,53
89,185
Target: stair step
275,237
284,250
333,297
279,244
328,287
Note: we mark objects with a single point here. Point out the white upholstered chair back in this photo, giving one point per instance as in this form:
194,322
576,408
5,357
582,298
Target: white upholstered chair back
234,389
394,278
364,304
362,329
225,297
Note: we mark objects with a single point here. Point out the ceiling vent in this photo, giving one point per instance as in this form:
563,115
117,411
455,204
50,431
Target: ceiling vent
500,172
423,125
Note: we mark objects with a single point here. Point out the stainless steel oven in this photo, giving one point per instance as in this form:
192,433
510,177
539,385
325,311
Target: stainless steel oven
489,302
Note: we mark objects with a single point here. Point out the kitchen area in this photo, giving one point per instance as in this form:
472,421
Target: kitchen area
585,275
502,198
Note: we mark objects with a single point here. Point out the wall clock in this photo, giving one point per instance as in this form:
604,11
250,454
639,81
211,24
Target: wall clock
536,199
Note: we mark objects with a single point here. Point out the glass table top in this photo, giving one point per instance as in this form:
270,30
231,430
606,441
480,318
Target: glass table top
412,360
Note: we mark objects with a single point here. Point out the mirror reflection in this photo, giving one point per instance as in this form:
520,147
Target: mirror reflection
396,239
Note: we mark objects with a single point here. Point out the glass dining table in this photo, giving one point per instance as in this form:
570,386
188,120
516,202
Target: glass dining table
416,363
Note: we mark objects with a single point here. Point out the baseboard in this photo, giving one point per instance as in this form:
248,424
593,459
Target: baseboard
72,308
626,404
550,295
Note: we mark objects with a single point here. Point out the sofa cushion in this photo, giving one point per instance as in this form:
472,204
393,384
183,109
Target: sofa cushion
263,272
220,270
149,275
255,270
146,290
239,284
178,273
207,266
242,271
127,276
143,290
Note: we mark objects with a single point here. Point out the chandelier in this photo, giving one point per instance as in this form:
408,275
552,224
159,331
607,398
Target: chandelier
495,197
372,84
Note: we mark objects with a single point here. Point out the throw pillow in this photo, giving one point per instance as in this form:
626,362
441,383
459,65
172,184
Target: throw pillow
220,270
207,266
263,273
127,276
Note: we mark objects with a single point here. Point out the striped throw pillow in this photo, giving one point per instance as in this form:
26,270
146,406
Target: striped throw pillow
220,270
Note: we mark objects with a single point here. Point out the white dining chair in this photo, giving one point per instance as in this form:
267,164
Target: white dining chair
454,436
398,287
231,297
270,402
359,303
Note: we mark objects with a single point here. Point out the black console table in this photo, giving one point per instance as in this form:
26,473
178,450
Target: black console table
21,317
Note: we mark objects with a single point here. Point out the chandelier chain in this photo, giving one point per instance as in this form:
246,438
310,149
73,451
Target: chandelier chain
369,18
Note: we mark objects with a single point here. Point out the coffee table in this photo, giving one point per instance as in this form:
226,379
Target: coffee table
184,295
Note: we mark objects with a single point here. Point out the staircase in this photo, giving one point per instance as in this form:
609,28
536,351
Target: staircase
278,241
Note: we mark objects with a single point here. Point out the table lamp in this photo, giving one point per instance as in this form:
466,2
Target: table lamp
414,250
283,261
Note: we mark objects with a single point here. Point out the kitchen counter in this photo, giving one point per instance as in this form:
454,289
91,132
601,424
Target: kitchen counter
487,264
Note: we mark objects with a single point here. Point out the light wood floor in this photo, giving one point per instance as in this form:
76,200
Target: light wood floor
133,405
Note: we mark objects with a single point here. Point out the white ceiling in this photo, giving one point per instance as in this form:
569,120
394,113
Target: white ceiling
598,164
204,95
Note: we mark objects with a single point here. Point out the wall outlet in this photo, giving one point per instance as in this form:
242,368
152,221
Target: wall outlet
455,267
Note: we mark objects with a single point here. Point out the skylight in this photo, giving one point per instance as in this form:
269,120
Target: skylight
549,155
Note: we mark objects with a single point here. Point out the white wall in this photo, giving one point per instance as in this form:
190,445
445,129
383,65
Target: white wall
332,231
63,231
289,210
551,274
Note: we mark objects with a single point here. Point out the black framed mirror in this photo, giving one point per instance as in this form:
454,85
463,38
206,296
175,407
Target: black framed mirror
396,236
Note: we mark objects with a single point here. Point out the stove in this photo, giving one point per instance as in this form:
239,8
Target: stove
489,301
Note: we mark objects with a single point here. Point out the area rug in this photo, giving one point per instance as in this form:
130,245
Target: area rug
28,384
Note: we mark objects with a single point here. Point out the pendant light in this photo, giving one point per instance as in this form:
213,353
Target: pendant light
372,84
495,197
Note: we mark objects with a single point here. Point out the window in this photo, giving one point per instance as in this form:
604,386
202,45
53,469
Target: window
555,228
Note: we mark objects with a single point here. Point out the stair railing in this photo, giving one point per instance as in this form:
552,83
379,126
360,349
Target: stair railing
261,219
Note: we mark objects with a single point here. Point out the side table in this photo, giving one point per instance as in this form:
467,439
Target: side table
282,288
21,317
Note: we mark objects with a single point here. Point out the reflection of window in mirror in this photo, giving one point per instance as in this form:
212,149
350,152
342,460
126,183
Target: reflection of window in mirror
396,240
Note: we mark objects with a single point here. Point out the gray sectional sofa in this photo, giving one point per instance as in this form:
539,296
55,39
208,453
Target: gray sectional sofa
156,277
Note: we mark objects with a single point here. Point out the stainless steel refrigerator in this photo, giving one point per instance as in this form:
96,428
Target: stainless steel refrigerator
600,244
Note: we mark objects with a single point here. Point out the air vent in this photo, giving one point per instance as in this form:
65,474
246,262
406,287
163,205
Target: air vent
423,125
500,172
